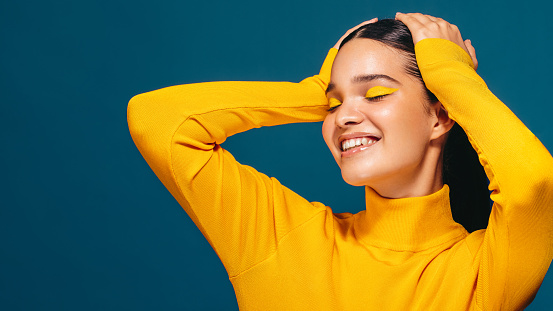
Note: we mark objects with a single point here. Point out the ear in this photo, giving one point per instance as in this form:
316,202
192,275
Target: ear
442,123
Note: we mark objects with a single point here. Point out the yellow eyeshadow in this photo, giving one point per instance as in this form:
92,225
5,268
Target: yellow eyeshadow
379,91
333,102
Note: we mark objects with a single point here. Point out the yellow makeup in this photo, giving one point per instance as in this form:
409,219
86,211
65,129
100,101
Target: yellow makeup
333,103
379,91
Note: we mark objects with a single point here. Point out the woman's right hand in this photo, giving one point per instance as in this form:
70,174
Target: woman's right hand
425,26
337,45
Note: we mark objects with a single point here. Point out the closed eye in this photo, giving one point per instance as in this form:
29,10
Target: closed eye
333,103
376,98
377,93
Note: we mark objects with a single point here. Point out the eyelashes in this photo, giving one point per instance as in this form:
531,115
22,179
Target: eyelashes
379,91
374,94
333,103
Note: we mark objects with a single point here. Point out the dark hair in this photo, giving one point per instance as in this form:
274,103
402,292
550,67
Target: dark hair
469,195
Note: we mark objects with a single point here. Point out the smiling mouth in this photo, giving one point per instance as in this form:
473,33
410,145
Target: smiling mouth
357,143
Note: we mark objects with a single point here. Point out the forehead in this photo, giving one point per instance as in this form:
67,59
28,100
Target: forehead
365,56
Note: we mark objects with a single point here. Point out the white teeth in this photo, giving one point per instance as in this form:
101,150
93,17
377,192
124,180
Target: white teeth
354,142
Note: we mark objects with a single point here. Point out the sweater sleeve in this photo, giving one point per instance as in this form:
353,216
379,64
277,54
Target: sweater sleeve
513,254
179,129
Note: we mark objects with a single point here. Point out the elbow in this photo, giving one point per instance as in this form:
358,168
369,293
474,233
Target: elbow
540,180
530,182
543,169
139,120
152,119
134,115
547,180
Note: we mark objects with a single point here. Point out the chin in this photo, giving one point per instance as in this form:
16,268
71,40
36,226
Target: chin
369,175
355,179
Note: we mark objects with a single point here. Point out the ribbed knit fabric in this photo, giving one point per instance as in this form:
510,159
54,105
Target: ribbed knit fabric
284,253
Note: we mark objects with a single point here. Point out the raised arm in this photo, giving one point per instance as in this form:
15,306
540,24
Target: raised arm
179,129
515,251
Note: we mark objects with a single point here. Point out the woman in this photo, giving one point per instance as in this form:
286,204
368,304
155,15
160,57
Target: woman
405,252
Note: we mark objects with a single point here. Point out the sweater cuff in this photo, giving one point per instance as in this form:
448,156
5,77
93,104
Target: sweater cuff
434,50
324,73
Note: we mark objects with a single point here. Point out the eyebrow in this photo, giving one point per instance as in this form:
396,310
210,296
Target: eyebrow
363,79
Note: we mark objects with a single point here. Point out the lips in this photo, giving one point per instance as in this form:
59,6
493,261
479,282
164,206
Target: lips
357,142
352,143
352,140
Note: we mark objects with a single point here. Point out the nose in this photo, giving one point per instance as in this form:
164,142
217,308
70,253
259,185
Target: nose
348,115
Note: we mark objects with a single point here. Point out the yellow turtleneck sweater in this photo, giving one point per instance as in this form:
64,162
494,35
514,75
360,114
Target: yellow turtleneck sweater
282,252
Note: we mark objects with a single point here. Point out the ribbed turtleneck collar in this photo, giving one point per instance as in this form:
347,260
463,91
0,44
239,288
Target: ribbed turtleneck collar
407,224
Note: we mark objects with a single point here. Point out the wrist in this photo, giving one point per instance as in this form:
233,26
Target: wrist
434,50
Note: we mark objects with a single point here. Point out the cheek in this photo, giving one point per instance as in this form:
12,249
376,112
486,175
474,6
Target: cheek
405,123
328,130
412,127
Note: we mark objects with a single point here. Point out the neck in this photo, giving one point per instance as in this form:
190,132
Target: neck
422,180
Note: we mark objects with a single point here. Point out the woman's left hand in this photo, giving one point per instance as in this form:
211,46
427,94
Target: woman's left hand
337,45
426,26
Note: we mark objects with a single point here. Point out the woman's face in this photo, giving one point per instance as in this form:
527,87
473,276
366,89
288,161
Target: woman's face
384,109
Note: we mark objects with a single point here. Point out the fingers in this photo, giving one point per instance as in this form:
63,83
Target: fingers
365,23
362,24
337,45
432,18
426,26
421,19
411,21
472,53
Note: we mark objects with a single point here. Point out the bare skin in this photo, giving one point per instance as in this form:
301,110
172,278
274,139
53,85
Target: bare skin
405,156
425,26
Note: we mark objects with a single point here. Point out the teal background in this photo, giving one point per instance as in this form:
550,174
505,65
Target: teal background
84,222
